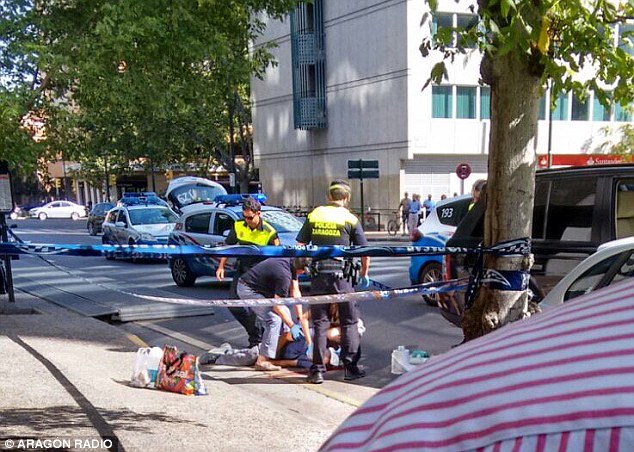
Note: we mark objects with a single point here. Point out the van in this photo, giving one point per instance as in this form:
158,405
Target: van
576,209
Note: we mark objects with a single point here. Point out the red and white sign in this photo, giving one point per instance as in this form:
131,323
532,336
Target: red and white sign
463,170
582,159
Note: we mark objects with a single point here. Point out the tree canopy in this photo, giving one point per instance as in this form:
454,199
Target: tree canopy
129,80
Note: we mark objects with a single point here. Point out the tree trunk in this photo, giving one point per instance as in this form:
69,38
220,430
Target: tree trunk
510,187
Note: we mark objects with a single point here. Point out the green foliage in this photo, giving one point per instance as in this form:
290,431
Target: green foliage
130,80
558,40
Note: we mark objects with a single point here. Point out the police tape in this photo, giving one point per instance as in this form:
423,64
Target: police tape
430,289
511,247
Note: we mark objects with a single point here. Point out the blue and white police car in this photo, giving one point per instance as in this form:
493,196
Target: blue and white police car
435,231
209,223
138,219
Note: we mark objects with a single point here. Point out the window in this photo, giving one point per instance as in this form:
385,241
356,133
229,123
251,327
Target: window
485,102
626,37
121,217
466,22
560,113
466,102
222,223
442,21
309,66
542,108
622,113
198,224
452,213
610,270
441,102
580,109
571,209
539,208
599,112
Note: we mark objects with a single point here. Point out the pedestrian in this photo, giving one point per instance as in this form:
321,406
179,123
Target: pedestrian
428,206
476,191
275,278
334,224
404,207
253,230
414,210
443,197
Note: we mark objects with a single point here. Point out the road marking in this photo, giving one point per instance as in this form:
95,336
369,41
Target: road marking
136,340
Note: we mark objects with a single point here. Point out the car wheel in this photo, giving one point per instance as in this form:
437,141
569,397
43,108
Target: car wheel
432,272
91,229
74,216
181,274
42,216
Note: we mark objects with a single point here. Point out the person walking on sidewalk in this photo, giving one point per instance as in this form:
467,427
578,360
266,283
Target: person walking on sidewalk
404,208
428,206
253,230
334,224
414,209
275,278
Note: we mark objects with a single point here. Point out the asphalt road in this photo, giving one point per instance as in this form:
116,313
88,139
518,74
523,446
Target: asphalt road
406,321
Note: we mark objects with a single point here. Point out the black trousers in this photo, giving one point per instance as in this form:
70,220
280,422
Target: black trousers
245,316
324,284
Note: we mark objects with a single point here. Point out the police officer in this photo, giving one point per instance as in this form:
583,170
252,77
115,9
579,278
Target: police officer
253,230
334,224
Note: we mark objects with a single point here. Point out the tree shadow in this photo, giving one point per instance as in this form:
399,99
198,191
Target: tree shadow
63,416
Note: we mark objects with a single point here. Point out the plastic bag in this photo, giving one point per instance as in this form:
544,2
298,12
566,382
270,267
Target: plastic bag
140,376
179,372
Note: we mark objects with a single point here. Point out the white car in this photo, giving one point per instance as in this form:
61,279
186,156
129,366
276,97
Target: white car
140,223
59,209
613,262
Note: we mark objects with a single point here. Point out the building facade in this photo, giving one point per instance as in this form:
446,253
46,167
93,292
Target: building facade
349,85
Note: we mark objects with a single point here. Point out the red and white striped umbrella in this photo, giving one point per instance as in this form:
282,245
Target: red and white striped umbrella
561,380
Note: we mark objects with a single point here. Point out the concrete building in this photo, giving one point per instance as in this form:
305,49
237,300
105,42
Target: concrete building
349,85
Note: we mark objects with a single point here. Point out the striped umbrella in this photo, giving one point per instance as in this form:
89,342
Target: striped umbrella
561,380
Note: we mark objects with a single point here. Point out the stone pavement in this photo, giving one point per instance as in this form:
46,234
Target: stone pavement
65,378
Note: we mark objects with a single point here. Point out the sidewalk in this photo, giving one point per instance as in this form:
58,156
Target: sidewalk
66,377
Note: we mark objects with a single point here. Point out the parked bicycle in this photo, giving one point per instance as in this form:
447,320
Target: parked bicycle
394,224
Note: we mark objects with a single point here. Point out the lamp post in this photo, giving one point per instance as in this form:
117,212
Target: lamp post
550,123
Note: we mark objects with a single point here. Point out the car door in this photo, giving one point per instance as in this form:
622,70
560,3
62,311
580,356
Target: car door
108,226
121,228
198,228
65,210
53,210
222,224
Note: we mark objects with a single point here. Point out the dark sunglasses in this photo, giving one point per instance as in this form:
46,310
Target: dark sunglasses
250,217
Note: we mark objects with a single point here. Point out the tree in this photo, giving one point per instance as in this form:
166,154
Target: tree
525,44
133,80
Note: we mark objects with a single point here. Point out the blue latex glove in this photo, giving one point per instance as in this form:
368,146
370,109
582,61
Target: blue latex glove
309,352
296,331
364,283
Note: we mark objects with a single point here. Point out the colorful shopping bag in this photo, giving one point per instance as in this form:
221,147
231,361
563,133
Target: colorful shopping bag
178,372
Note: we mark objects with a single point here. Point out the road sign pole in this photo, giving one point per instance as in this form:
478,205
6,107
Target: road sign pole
362,204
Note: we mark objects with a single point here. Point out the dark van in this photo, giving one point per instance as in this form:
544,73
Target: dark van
576,209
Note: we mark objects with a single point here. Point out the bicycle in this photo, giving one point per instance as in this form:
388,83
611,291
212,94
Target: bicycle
394,224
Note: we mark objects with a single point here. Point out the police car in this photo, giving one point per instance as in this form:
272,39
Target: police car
209,223
139,218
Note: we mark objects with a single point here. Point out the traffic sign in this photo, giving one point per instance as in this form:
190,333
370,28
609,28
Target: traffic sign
363,169
463,171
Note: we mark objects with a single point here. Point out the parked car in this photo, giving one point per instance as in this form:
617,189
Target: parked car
209,224
59,209
559,380
97,216
140,223
435,231
613,262
576,210
23,211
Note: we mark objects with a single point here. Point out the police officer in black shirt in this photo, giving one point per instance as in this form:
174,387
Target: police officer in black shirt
334,224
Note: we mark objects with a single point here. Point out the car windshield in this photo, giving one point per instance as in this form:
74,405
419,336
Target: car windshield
152,216
190,194
282,221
